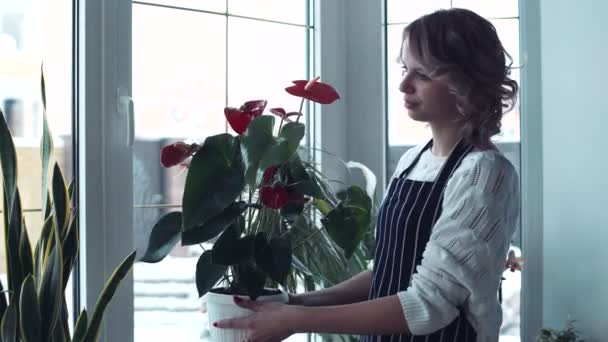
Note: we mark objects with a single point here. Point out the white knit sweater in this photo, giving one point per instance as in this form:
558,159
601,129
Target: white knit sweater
464,259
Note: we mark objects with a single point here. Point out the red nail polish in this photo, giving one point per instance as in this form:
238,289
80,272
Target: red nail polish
215,324
237,299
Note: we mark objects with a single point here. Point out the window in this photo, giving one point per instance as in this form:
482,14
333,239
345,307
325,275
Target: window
190,59
33,32
403,133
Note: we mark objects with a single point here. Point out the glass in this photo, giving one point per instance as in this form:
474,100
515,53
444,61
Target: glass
33,32
292,11
261,68
508,33
405,11
204,5
490,8
510,130
179,90
402,130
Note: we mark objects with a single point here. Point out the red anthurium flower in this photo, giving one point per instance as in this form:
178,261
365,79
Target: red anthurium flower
280,112
240,118
274,197
176,153
314,90
255,108
269,174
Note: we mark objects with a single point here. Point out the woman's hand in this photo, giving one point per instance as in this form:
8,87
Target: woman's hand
269,322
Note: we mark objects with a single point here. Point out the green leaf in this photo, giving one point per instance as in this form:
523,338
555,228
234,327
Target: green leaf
46,145
62,329
256,141
293,132
214,226
230,249
252,279
40,250
70,247
292,210
14,274
300,182
106,295
81,327
274,257
207,273
30,319
8,159
348,223
25,252
284,147
215,179
61,200
49,207
50,291
165,234
9,324
299,265
323,206
3,303
72,193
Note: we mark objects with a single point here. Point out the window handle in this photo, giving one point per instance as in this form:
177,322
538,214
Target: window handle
125,107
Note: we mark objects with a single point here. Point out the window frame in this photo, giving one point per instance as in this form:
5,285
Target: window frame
103,66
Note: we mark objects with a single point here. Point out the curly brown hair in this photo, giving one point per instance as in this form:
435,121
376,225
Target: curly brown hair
464,47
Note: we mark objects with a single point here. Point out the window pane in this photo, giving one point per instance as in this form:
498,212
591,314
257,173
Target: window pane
292,11
205,5
405,11
508,32
402,130
490,8
178,73
33,32
510,130
255,72
179,89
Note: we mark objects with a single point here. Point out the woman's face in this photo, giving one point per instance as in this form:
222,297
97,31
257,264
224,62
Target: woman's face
426,99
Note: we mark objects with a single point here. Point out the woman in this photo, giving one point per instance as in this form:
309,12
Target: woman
445,224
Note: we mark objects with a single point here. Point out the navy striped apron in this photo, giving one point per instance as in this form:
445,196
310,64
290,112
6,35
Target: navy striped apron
405,221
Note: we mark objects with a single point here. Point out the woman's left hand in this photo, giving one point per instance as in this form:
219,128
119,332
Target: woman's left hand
269,322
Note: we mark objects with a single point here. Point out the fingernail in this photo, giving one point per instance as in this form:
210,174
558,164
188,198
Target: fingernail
215,324
237,299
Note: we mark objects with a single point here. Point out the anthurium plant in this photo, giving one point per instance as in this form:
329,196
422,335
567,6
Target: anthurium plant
33,305
271,215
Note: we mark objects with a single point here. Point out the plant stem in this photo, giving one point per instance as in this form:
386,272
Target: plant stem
301,242
250,218
300,111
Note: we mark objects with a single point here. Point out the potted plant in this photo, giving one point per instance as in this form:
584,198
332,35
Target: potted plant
271,215
33,306
570,334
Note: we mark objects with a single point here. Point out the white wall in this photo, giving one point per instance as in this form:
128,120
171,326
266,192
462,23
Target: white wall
574,56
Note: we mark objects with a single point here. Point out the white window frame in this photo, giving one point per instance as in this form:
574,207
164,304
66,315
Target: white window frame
531,170
104,65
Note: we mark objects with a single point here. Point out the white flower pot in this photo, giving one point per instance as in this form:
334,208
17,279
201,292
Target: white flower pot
222,306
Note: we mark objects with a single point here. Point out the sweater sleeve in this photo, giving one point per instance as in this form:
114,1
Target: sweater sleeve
464,258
